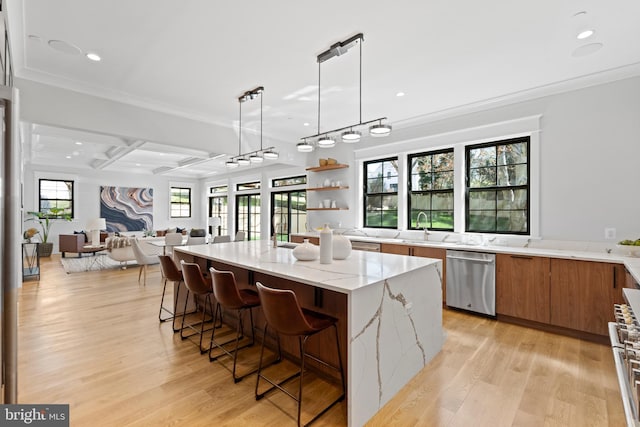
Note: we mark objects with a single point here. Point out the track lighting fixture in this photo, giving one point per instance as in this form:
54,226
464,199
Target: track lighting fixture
255,157
349,134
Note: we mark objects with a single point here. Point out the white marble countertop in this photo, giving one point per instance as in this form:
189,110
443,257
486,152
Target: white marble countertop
359,270
632,264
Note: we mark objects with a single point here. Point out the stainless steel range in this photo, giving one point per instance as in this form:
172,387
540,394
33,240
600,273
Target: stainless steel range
625,343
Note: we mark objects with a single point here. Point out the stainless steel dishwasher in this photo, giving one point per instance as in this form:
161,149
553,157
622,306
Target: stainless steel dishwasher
471,281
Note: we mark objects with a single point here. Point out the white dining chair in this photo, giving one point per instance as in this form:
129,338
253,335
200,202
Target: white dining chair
196,240
239,236
222,239
143,259
170,241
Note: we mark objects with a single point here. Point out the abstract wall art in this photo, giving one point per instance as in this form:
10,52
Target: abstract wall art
127,208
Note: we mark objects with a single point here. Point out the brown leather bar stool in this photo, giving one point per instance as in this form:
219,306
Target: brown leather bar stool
199,287
229,297
284,315
170,273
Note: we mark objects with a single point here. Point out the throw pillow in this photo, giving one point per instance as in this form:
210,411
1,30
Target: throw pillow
198,232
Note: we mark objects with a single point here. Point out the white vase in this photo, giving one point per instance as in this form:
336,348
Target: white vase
305,251
326,245
341,247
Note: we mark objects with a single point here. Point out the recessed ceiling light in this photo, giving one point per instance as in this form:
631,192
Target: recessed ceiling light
400,94
64,47
585,34
587,49
305,124
68,157
137,164
93,56
78,143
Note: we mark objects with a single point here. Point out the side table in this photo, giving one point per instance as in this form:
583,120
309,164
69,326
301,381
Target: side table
30,261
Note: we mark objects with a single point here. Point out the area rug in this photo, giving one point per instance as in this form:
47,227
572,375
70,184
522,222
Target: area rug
92,263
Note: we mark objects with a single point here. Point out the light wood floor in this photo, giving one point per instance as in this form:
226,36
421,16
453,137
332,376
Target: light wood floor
93,340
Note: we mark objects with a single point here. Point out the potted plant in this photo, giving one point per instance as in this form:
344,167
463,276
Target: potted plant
45,219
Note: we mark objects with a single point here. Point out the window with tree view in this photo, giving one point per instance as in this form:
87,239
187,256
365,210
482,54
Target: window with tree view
431,190
56,194
498,187
180,202
381,193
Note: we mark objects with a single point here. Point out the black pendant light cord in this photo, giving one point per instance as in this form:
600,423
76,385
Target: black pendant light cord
319,97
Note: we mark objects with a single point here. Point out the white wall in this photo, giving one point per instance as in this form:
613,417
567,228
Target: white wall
589,156
87,197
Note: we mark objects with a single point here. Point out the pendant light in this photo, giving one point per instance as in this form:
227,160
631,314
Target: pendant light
348,134
252,157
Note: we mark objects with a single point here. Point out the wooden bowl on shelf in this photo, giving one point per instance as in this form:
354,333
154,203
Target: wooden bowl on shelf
322,162
331,161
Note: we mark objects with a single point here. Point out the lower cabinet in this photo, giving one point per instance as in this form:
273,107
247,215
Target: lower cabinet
522,287
300,239
577,295
583,294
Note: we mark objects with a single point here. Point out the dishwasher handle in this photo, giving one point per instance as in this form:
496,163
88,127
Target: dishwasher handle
484,261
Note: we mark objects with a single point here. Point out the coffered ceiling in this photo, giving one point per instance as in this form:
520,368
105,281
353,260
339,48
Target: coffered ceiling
193,59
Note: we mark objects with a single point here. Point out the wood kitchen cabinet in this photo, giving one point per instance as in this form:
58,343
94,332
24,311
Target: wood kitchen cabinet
300,239
583,294
392,248
522,287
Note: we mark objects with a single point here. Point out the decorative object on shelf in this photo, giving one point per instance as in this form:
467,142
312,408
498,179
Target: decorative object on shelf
331,161
341,247
322,162
348,134
257,156
326,245
95,226
306,251
45,219
29,234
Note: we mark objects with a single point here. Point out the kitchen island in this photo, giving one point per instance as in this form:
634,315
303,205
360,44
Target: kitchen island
389,306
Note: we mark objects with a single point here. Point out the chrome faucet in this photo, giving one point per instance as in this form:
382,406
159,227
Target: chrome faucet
425,228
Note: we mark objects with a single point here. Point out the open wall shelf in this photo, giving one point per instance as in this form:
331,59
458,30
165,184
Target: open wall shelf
327,167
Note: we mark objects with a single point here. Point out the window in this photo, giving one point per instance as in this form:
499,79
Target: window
218,189
248,186
56,194
248,215
430,196
285,182
289,213
218,208
180,202
381,193
497,196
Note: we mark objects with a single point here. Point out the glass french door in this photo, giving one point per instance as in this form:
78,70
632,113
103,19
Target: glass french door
248,215
288,213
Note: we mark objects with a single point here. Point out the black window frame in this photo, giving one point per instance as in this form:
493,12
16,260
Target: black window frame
430,192
70,184
366,194
286,182
216,202
289,218
172,203
240,227
497,188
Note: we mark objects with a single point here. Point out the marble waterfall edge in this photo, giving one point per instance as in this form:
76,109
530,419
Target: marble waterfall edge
395,331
